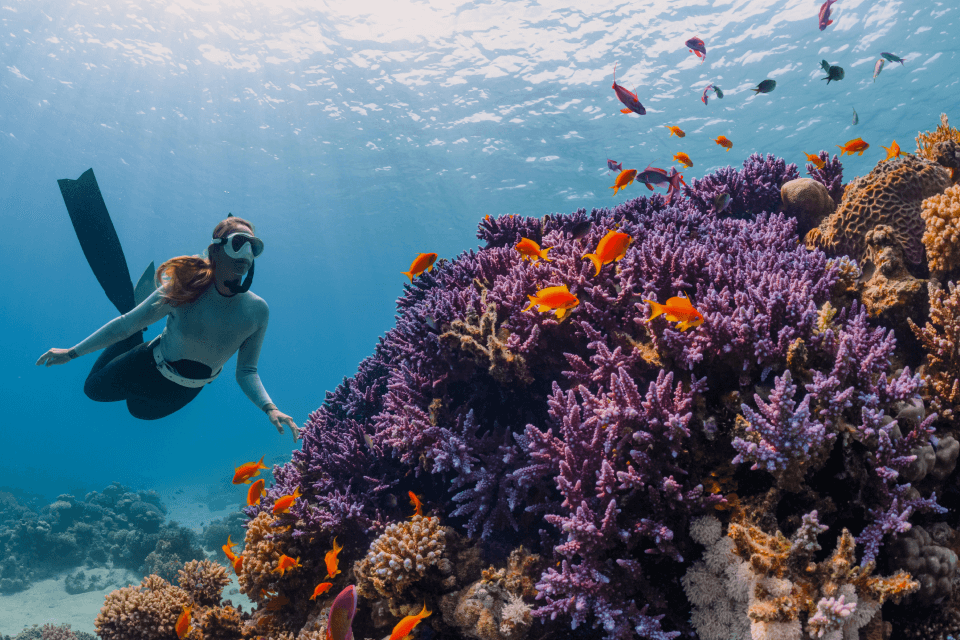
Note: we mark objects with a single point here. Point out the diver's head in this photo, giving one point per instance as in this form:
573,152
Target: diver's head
232,254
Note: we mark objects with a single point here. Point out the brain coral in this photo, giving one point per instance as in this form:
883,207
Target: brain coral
400,557
941,213
891,194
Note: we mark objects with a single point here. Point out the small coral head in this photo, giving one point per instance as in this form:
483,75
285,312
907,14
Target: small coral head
342,610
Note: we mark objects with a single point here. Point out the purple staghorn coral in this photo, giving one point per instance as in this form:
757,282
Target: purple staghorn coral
754,189
831,176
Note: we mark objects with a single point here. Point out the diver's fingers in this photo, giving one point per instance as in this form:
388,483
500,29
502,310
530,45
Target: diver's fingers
44,357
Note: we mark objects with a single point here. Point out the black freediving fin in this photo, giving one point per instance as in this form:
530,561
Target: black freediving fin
145,285
98,238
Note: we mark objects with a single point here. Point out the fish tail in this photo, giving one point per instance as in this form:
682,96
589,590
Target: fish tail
533,301
595,260
409,275
656,309
543,254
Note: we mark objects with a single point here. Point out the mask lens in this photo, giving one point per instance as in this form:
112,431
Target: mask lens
237,241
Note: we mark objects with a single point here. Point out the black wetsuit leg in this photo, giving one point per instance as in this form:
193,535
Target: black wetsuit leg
127,371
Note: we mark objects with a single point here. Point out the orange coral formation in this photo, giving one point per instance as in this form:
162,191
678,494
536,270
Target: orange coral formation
940,338
261,555
941,214
927,142
147,611
891,195
203,581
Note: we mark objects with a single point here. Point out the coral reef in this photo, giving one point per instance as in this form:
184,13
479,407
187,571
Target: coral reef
889,292
830,176
891,194
147,611
941,215
203,581
116,528
933,566
927,142
753,189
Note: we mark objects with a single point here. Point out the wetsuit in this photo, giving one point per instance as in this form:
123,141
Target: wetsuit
198,339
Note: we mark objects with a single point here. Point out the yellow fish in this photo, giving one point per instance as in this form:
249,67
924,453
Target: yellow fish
677,131
818,163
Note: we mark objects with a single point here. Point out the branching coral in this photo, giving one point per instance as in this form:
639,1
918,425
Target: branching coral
941,214
203,581
927,141
940,337
147,611
830,176
752,190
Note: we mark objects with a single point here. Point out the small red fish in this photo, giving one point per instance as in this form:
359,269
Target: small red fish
228,550
183,622
893,151
623,180
611,248
676,309
613,165
245,472
553,298
283,503
724,142
332,561
627,97
286,563
237,564
697,46
416,504
423,262
530,250
823,18
855,146
321,589
675,131
405,626
255,492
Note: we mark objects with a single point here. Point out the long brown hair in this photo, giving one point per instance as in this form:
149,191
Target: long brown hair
184,279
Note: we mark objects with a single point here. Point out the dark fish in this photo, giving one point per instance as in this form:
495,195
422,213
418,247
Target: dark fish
721,201
856,118
613,165
719,93
697,46
766,86
833,71
824,17
627,97
890,56
581,229
431,322
716,90
652,176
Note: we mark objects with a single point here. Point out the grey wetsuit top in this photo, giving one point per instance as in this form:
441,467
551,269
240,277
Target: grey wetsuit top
209,330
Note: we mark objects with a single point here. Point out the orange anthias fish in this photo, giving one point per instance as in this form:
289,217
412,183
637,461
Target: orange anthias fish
237,564
286,562
683,159
611,248
675,131
423,262
228,549
255,492
530,250
893,151
415,502
283,503
245,472
855,146
626,177
676,310
724,142
553,298
818,163
321,589
332,561
406,625
183,622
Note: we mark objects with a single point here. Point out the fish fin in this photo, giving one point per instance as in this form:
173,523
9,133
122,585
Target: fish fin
560,313
430,268
655,309
543,254
543,308
409,275
595,260
533,301
625,111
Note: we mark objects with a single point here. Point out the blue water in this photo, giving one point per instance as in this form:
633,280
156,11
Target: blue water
356,135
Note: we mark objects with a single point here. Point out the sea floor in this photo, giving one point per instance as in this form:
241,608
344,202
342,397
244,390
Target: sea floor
192,506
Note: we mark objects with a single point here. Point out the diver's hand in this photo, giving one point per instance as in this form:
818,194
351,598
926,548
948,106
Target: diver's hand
55,356
278,418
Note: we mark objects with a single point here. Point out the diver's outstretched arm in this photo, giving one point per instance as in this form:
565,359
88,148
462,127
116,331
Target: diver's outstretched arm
56,356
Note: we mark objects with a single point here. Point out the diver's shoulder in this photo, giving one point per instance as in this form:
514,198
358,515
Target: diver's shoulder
257,304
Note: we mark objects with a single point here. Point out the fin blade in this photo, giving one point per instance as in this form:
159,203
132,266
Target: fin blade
145,285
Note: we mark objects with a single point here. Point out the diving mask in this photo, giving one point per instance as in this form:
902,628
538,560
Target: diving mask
241,245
